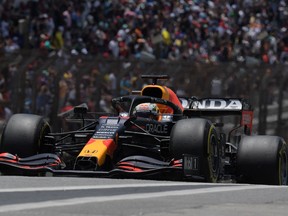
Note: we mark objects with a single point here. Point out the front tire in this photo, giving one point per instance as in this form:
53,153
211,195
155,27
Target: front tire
24,134
262,160
198,137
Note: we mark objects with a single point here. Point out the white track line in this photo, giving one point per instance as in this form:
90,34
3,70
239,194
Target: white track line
86,200
91,187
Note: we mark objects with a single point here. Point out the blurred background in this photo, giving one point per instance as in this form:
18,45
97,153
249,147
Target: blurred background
55,54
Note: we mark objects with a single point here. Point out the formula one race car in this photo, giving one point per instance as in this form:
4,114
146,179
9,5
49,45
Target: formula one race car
153,134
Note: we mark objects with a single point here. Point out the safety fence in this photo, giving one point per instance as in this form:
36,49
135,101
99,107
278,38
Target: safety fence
43,83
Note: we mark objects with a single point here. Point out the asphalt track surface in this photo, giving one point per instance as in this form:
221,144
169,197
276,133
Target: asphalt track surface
63,196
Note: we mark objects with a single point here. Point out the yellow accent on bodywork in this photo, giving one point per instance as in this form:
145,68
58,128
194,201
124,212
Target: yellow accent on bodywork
95,148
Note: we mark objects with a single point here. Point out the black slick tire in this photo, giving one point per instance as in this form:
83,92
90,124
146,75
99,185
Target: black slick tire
23,135
197,137
262,160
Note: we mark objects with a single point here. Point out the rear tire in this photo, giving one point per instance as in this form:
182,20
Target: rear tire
197,137
24,134
262,160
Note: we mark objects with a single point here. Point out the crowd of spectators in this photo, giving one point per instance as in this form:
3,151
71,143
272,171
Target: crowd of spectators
206,31
195,30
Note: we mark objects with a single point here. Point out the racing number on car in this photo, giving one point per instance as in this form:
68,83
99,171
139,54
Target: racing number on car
190,165
89,151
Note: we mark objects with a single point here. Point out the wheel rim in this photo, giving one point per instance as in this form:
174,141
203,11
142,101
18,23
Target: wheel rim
215,155
213,159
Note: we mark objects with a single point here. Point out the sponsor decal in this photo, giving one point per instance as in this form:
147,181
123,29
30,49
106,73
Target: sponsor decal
217,104
106,131
184,102
157,128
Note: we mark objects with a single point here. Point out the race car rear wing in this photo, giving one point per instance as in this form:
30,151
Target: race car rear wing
194,107
214,106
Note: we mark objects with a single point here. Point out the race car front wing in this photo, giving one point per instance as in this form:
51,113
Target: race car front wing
129,167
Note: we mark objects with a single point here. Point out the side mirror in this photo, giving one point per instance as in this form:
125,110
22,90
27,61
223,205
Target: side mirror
80,110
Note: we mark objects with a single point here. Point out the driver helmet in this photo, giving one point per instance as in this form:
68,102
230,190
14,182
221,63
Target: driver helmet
147,110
